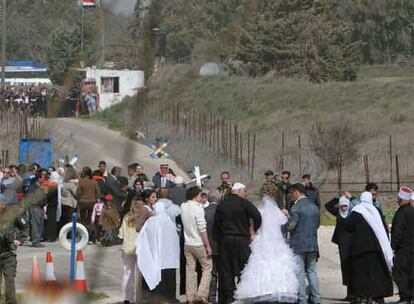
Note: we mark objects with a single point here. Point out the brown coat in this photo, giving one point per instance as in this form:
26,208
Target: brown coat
143,217
87,191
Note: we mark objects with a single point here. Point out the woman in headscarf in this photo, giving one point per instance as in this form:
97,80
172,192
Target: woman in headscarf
340,208
158,250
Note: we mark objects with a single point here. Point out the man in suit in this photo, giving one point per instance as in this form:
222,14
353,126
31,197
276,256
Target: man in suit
303,227
113,186
163,178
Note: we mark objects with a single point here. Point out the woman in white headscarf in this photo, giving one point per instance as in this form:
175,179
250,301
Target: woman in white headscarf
371,254
340,208
53,206
158,252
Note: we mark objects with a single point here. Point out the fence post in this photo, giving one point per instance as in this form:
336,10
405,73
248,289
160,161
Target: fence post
300,154
366,167
397,172
236,146
282,165
253,156
248,154
390,151
241,149
339,174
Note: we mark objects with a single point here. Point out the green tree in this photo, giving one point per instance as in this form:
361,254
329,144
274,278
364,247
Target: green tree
297,38
64,49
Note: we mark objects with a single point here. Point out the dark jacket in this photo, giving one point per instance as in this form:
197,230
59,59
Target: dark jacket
303,226
8,234
363,238
402,231
313,193
177,195
157,181
283,197
233,217
113,187
101,183
340,236
36,195
210,215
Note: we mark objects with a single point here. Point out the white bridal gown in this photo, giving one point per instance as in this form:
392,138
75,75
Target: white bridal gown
270,274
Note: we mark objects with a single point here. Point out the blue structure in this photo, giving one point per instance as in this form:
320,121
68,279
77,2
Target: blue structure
36,151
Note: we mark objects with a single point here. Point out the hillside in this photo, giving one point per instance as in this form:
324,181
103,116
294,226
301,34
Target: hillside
379,104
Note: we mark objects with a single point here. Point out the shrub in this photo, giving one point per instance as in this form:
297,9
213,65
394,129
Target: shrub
330,141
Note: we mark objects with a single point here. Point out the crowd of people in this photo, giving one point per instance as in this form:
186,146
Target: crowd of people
31,100
227,249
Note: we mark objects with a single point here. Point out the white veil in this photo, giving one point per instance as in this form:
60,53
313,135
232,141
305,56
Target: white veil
158,247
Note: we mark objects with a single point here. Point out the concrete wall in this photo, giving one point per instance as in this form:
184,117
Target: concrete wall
129,83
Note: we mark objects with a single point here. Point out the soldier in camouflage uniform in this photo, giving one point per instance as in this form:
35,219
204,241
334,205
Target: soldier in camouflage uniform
12,234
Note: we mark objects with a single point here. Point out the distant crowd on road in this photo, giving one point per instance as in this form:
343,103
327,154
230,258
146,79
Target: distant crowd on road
31,100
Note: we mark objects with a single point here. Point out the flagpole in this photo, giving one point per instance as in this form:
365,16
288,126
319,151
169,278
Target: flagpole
82,34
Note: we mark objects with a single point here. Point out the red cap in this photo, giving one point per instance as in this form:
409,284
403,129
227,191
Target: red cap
108,198
20,196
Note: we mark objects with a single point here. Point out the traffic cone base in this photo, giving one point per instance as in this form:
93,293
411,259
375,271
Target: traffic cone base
50,271
80,284
36,279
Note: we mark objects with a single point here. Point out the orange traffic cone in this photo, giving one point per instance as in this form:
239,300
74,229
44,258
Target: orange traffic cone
35,271
50,271
80,280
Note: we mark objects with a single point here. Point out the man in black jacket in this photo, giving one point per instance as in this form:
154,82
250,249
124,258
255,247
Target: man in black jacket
163,178
114,187
402,238
310,190
231,229
283,193
37,198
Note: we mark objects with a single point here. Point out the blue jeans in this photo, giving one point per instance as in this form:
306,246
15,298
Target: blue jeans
307,269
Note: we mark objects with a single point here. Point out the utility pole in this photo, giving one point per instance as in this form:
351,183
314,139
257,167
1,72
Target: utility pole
3,43
102,23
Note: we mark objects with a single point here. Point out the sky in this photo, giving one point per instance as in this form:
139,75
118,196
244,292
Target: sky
124,7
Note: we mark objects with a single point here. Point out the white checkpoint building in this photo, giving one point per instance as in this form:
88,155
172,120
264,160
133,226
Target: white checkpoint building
113,85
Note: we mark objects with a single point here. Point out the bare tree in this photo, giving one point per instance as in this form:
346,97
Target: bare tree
340,138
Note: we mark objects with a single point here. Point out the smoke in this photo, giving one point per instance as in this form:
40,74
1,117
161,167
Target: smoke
121,7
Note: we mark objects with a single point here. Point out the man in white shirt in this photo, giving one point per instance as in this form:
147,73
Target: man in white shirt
197,247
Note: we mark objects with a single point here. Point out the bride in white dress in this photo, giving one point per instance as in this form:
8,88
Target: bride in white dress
270,274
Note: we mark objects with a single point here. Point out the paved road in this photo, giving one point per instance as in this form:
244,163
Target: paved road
104,265
94,142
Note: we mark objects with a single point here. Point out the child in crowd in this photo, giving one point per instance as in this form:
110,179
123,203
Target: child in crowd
97,228
110,220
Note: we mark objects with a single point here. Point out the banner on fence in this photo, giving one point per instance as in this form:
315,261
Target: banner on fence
36,151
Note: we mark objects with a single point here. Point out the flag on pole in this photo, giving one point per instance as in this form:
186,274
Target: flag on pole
88,3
